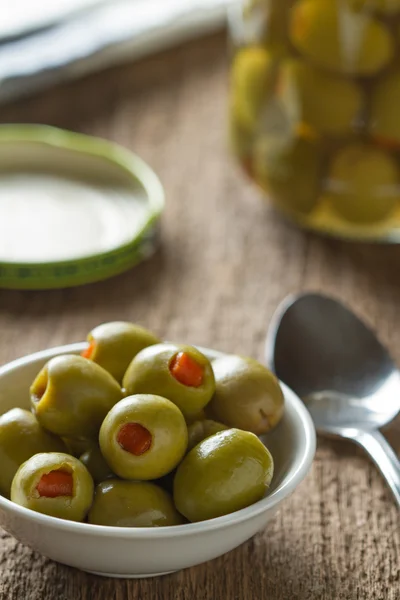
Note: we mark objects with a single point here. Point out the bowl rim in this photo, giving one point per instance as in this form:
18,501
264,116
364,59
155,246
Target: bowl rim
296,473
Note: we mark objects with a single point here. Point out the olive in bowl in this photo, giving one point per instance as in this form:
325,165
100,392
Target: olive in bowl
77,446
200,430
197,432
224,473
133,504
143,437
71,396
21,437
180,373
247,395
113,345
96,464
55,484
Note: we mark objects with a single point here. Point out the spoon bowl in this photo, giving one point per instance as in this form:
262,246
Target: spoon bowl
344,375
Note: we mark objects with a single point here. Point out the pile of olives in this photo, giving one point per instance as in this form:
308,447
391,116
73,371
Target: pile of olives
139,433
314,119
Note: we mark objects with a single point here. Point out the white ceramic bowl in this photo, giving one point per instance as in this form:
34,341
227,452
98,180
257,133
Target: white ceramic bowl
146,552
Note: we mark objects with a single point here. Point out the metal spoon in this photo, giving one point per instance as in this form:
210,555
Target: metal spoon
347,379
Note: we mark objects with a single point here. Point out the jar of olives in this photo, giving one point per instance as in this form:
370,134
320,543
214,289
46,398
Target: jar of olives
315,110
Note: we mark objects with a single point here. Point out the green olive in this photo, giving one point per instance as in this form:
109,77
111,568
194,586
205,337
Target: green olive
247,395
385,102
114,345
224,473
77,446
167,482
383,7
72,395
200,416
200,430
96,464
264,22
54,484
21,437
277,22
337,38
364,184
328,103
289,170
143,437
252,78
133,504
157,369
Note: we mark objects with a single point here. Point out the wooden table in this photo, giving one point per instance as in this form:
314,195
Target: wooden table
226,261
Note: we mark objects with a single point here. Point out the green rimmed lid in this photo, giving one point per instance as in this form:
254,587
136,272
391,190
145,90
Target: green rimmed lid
74,209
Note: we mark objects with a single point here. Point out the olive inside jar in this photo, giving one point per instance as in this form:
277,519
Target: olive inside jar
314,110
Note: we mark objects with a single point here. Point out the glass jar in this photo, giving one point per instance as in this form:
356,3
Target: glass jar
315,110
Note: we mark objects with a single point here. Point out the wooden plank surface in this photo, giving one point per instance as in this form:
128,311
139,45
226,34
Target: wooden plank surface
226,261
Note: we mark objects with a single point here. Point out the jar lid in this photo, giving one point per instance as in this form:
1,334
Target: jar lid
74,209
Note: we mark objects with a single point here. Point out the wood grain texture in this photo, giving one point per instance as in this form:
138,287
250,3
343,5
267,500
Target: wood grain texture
227,259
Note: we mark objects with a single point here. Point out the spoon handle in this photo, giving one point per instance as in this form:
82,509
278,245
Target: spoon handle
384,457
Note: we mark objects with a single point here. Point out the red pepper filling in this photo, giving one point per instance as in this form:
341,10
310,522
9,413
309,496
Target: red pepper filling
54,484
88,352
186,370
134,438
